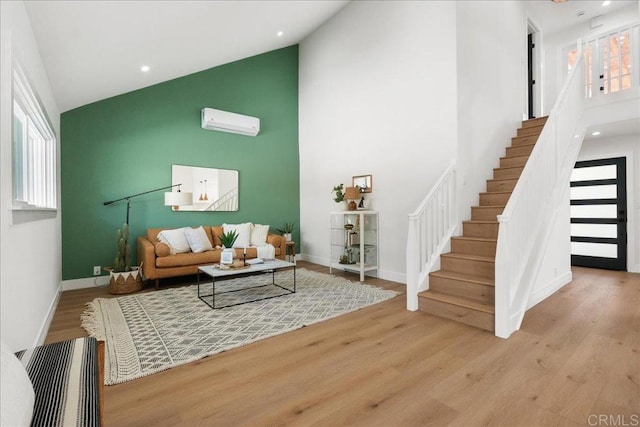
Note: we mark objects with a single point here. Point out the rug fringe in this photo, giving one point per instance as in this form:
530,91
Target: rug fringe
89,320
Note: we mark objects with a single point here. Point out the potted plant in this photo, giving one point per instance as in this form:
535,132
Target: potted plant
286,230
339,190
228,239
123,278
339,195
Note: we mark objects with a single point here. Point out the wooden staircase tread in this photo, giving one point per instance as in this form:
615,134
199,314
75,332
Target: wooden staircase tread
459,301
465,277
501,179
475,239
488,207
514,157
522,145
479,221
468,256
510,167
496,192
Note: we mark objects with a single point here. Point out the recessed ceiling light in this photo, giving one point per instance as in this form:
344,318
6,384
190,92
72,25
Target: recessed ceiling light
596,133
145,68
280,33
606,2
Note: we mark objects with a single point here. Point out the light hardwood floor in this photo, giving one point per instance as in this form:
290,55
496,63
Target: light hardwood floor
577,355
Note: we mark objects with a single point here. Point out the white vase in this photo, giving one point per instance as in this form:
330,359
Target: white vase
287,237
226,257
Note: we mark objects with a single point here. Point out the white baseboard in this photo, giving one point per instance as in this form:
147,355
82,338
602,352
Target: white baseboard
87,282
392,276
634,268
549,289
44,329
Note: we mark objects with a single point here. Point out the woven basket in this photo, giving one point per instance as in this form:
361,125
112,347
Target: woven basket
125,282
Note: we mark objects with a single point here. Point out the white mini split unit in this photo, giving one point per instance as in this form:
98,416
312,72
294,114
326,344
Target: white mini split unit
224,121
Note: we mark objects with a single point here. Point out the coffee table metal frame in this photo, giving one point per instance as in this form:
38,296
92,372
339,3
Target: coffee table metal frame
265,268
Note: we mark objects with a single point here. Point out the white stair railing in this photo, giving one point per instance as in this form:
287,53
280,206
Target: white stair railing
527,219
430,228
227,202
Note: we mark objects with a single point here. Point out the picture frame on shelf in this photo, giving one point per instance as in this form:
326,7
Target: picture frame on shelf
363,182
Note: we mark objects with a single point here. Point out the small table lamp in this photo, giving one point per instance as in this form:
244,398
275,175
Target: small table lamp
352,193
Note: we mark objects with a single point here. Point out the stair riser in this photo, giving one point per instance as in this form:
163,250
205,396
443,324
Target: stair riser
494,199
509,162
480,230
523,140
468,266
481,293
465,315
523,150
501,185
533,130
534,122
485,214
507,173
472,247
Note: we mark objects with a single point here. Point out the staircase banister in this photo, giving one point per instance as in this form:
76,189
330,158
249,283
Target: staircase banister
563,92
525,225
416,214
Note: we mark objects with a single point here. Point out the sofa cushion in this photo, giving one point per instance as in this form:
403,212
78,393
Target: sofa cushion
198,239
179,260
244,233
17,392
162,249
259,234
176,239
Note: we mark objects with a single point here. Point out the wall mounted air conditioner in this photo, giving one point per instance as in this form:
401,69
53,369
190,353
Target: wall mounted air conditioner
224,121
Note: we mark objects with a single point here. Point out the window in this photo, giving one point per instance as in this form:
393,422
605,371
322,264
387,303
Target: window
610,59
33,150
617,62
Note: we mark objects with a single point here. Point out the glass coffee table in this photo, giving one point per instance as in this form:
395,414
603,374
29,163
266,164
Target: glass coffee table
217,274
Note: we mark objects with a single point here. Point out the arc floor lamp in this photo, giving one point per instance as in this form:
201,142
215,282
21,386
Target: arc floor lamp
175,199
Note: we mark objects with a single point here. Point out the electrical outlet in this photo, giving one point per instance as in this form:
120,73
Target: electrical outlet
96,270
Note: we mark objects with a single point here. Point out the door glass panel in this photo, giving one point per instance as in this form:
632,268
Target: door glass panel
594,192
594,230
594,172
593,211
605,250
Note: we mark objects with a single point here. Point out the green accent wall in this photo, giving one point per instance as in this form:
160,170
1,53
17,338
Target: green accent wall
127,144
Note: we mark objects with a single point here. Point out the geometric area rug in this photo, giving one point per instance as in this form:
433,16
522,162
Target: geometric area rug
154,331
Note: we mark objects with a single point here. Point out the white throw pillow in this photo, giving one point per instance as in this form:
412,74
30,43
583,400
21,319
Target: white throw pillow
176,239
17,394
259,234
198,240
244,233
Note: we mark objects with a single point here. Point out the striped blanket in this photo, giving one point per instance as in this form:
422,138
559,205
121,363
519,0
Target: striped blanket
64,377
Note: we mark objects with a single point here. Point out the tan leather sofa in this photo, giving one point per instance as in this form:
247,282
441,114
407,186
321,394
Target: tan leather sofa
158,263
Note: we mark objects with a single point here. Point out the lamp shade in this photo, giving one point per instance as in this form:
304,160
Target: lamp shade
351,193
178,198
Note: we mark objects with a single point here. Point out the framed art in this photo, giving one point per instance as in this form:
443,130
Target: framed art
363,182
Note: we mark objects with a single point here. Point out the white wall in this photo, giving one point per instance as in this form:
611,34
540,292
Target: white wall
30,252
629,147
555,270
492,85
377,96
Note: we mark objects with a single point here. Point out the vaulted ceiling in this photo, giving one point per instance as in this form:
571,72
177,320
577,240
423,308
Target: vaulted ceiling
94,49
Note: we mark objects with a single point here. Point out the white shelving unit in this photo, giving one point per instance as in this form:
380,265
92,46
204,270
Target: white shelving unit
354,242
